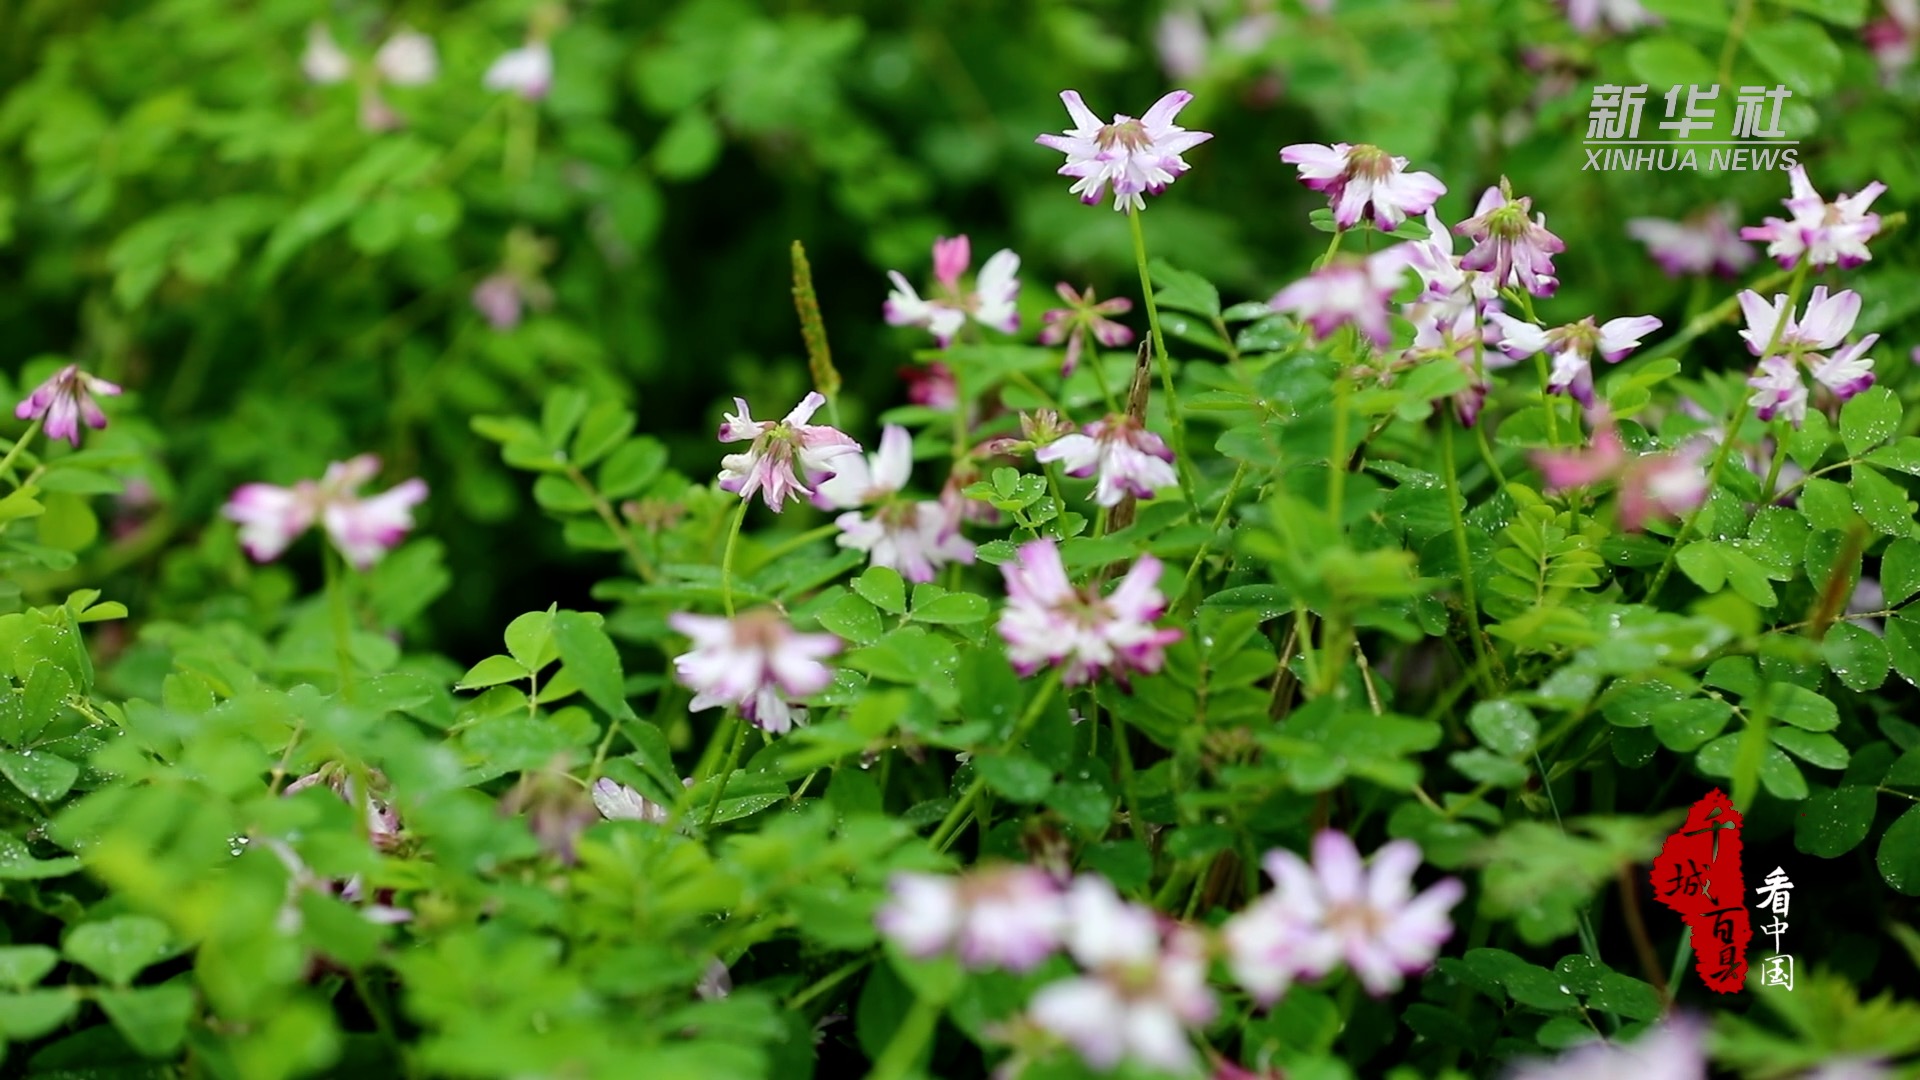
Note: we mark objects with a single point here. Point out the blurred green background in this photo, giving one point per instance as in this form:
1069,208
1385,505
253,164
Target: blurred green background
182,210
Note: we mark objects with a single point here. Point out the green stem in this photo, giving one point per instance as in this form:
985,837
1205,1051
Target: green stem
1455,505
726,559
1219,519
1486,454
21,443
950,825
1333,247
1183,463
1680,955
909,1040
1727,441
726,770
335,565
1127,789
1337,455
1100,376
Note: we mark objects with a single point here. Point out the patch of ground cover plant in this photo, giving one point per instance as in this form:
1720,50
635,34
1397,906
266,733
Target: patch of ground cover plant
1302,693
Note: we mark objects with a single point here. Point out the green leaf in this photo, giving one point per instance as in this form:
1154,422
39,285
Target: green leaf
1021,779
1668,61
1857,657
492,671
1881,501
1827,505
632,467
152,1018
529,639
883,588
1902,456
22,966
1701,561
1848,13
1183,291
1835,822
1900,571
18,864
1899,855
30,1015
1505,727
1626,996
1682,726
119,948
1484,767
595,663
1869,419
852,618
1816,748
1802,708
955,607
689,146
1798,53
40,776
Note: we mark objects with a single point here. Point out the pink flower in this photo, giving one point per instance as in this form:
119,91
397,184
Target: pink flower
383,824
1356,176
1143,990
1510,242
915,538
1672,1050
1893,40
362,529
1787,341
1440,331
1135,156
1706,241
323,62
1443,280
1572,347
1620,16
1348,290
768,466
756,662
1079,319
1649,485
497,299
618,802
1130,459
1341,910
408,58
1048,622
1008,917
1778,391
65,400
932,385
1822,232
991,301
527,71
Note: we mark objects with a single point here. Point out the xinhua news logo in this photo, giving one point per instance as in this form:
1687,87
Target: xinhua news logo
1756,142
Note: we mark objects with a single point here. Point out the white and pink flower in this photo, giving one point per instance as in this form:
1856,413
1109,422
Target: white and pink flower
1824,233
526,71
1341,910
1359,176
408,58
1138,157
618,802
1620,16
1356,291
271,517
1008,917
1129,459
65,401
914,537
1143,991
1511,243
1706,242
1572,347
769,466
991,301
323,62
756,662
1672,1050
1784,342
1049,622
1649,485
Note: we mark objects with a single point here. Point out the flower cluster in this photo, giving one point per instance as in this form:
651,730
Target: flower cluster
756,663
1138,157
991,301
1140,985
1572,347
768,466
1784,343
1649,485
1129,459
1510,242
1047,622
1356,177
65,400
1707,242
913,536
1824,233
1084,317
271,517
